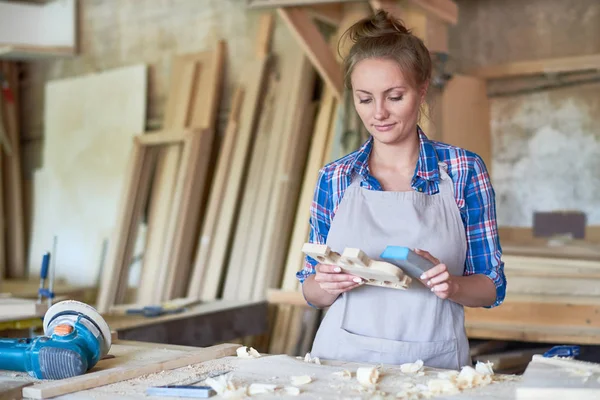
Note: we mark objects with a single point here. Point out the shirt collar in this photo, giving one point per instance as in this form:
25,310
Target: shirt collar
427,165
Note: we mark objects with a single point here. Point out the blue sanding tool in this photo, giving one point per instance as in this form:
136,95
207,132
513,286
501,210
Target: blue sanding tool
75,338
406,259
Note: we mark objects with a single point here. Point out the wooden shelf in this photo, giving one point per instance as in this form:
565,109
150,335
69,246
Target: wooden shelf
539,67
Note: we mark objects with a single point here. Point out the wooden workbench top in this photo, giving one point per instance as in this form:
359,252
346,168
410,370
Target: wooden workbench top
270,369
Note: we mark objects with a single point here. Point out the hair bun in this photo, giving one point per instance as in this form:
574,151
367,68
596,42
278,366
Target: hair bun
381,24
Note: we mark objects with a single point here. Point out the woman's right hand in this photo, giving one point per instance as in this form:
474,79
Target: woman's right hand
335,282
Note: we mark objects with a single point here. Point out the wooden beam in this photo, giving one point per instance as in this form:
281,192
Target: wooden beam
314,45
329,13
539,67
445,10
162,138
293,3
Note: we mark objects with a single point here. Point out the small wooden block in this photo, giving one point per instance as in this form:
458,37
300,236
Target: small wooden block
355,262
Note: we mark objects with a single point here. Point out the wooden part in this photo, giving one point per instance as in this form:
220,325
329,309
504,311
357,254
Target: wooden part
287,179
12,179
509,360
241,266
355,262
292,3
286,297
96,116
329,13
265,35
12,309
555,378
315,47
56,33
256,72
217,192
295,258
177,115
445,10
539,67
133,201
129,362
162,138
187,215
523,236
466,116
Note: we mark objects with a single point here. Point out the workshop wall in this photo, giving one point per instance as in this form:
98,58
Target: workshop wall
127,32
545,142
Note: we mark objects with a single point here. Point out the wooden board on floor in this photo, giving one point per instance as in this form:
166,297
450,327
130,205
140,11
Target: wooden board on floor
129,362
77,191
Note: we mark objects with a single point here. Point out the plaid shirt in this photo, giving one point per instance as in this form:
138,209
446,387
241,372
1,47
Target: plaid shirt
473,191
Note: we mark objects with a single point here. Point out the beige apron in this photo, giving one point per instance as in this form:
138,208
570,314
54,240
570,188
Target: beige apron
381,325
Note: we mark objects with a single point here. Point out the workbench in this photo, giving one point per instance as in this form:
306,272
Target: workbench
147,360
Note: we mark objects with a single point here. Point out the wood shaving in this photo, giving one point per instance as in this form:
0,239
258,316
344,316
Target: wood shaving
412,368
470,378
309,359
484,368
261,388
367,376
245,352
301,380
343,374
291,390
226,388
442,386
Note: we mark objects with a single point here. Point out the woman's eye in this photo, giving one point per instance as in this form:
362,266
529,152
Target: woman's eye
364,101
397,98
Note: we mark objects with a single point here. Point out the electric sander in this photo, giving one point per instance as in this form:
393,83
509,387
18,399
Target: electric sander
75,338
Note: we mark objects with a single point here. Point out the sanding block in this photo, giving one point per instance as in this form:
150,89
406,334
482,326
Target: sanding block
410,262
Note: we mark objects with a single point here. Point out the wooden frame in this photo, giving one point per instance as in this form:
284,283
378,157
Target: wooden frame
133,203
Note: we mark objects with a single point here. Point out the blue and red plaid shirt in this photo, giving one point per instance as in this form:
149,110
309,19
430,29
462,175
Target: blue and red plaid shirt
472,189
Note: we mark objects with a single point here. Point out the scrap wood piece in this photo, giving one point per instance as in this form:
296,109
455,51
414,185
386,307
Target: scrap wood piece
217,192
314,45
12,309
131,364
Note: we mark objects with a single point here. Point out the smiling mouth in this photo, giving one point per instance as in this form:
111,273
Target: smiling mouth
384,127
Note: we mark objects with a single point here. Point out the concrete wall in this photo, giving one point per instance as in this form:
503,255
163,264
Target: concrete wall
545,143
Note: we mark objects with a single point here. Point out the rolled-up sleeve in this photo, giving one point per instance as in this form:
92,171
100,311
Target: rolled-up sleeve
320,220
484,253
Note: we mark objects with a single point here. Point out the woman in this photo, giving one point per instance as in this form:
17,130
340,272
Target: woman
400,188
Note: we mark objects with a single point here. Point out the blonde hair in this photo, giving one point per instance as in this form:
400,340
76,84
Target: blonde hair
383,36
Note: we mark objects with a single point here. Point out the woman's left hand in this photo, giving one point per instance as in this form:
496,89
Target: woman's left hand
438,278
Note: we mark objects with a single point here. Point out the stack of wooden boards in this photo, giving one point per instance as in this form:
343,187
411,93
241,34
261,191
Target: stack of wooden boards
221,214
12,234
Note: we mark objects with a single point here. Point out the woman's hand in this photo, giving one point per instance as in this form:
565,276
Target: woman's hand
438,278
332,280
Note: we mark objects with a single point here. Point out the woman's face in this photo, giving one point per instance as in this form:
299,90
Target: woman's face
385,100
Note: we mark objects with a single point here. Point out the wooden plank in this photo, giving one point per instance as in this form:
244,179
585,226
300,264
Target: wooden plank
329,13
539,67
11,389
133,201
127,366
466,116
217,192
177,115
293,3
241,265
532,333
265,35
255,73
12,179
12,309
315,47
287,180
162,138
287,297
97,116
445,10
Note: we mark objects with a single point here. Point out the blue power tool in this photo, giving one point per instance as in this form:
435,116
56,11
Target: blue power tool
410,262
75,338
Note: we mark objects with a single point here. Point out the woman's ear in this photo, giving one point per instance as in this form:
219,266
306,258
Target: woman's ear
423,91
